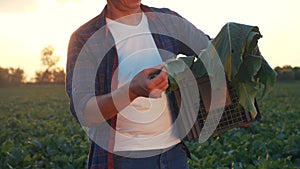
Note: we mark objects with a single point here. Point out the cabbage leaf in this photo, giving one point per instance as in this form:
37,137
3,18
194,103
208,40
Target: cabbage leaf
244,66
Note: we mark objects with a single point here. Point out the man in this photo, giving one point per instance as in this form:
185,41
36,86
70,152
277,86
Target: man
111,60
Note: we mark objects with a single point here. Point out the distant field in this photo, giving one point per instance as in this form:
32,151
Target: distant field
37,131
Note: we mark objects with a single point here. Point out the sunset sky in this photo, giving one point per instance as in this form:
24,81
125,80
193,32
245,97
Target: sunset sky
27,26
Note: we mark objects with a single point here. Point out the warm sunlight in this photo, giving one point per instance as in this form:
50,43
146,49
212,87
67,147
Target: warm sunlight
27,29
25,33
126,102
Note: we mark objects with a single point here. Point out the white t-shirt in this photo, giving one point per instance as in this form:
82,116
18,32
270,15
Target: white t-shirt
146,123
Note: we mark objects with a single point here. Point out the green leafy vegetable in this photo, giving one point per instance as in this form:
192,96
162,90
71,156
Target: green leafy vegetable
244,66
176,69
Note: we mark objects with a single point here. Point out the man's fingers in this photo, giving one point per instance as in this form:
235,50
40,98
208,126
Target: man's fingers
144,84
154,71
156,93
161,83
160,78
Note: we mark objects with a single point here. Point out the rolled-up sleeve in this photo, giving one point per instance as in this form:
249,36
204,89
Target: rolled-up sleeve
80,77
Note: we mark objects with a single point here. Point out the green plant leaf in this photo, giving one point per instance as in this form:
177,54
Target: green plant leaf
232,42
243,64
247,92
7,146
175,66
198,68
248,69
267,77
252,40
188,60
176,69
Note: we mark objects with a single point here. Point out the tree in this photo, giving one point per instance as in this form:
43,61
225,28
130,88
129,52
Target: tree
287,73
50,73
4,74
59,75
297,73
43,76
16,76
48,59
11,76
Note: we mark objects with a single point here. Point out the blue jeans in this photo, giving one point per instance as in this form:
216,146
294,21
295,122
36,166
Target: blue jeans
174,158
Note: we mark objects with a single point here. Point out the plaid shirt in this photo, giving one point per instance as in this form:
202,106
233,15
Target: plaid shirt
169,40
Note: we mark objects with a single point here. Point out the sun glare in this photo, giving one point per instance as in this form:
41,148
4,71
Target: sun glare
27,29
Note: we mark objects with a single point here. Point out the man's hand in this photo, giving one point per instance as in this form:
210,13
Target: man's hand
142,85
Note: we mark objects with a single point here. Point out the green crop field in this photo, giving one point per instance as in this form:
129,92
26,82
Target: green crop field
37,131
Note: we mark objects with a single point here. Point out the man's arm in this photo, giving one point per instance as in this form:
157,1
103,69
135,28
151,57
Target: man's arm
104,107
